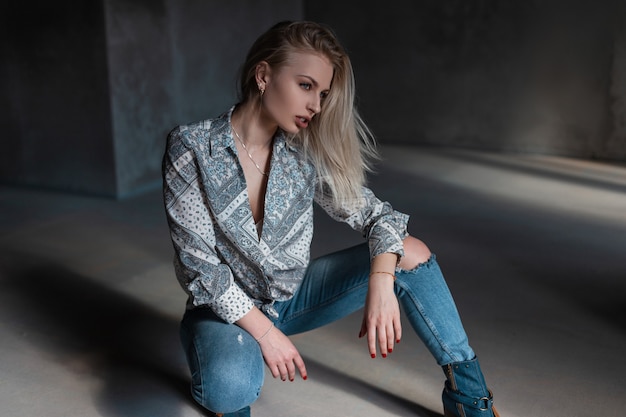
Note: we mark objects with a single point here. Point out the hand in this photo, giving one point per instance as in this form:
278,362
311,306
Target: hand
281,356
381,318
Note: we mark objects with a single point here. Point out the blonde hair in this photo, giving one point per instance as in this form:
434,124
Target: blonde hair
337,140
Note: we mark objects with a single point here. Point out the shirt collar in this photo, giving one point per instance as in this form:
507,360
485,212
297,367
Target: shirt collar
224,135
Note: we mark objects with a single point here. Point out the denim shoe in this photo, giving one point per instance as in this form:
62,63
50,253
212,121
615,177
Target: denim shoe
466,393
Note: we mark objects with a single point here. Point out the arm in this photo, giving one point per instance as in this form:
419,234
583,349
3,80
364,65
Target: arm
382,226
385,230
199,270
381,316
280,355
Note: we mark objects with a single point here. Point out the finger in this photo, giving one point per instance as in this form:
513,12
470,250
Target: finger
301,368
397,326
391,337
382,341
371,342
275,371
291,370
363,330
282,371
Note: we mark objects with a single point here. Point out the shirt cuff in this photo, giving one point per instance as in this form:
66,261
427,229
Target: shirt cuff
232,305
388,237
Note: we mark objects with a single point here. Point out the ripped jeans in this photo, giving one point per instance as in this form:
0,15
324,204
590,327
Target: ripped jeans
226,363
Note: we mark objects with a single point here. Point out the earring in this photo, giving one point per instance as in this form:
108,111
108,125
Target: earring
261,90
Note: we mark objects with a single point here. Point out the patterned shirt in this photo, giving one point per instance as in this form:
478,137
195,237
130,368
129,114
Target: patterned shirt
220,259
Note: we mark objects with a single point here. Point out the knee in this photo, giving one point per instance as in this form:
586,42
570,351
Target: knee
226,376
415,253
228,390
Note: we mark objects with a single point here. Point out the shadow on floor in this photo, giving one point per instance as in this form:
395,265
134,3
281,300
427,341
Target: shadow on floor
331,377
133,350
90,329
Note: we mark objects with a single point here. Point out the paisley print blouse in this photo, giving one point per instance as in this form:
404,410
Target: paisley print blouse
220,259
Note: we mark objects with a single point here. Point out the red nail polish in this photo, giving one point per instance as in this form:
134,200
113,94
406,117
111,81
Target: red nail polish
373,355
398,341
305,377
390,350
384,355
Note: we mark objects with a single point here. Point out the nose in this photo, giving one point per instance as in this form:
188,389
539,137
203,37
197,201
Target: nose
315,105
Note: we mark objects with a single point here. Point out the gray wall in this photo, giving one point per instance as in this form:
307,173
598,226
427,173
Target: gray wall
92,88
174,62
543,76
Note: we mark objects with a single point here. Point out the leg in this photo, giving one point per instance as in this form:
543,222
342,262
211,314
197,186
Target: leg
226,363
430,308
334,286
432,312
228,375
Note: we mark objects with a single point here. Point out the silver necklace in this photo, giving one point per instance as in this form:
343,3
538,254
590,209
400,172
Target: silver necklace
248,152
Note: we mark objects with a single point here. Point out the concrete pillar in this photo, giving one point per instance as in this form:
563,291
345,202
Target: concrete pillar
92,88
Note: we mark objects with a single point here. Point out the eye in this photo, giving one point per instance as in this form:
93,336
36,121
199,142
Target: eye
306,86
324,94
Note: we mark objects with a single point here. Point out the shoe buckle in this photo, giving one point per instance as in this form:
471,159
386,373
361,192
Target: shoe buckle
484,400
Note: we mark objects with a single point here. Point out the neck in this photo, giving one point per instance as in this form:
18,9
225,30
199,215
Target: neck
252,126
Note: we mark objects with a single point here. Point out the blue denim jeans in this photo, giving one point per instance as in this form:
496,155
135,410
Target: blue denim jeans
226,363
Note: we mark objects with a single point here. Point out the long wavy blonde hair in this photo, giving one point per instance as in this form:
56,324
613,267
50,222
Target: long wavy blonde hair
337,140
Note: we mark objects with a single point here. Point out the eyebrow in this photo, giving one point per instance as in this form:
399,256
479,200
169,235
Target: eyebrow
310,78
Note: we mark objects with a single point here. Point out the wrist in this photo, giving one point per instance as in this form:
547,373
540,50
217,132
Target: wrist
259,339
382,275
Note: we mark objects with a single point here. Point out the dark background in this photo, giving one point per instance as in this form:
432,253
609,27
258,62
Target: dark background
89,90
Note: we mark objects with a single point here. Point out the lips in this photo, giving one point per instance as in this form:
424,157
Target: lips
302,122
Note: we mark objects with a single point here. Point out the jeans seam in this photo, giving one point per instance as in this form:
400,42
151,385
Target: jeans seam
199,368
432,328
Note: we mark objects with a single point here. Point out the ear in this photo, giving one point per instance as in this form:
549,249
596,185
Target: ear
262,74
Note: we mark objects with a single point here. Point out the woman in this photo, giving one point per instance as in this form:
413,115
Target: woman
239,193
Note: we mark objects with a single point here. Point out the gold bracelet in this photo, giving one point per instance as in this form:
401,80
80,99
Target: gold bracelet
266,333
383,272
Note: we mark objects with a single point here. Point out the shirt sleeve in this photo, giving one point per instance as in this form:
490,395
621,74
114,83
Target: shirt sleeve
382,226
198,267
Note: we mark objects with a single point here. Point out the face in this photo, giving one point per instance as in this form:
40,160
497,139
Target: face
295,93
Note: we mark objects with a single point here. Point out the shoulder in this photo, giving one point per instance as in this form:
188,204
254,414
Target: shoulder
202,135
192,134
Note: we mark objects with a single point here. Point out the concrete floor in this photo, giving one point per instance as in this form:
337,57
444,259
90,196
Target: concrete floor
533,249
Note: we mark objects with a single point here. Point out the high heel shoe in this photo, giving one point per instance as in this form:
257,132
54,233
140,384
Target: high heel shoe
465,393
